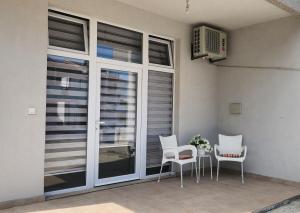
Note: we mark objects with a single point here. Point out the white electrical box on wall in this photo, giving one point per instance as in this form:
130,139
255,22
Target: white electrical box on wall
31,111
235,108
209,43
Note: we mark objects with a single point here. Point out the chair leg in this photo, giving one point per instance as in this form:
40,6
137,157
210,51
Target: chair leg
192,171
242,171
160,173
199,168
181,176
210,168
203,163
197,178
218,167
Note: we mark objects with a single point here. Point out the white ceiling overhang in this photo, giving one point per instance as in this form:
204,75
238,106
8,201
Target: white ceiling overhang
228,14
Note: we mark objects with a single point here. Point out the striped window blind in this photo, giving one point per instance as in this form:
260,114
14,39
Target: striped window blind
160,115
66,115
119,44
118,107
67,32
160,51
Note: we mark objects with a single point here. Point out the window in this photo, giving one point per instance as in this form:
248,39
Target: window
66,123
67,32
119,44
160,52
160,117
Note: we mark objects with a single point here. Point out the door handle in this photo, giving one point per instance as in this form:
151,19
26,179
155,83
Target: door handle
98,123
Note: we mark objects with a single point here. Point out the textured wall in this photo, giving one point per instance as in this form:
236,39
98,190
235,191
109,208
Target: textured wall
270,96
23,42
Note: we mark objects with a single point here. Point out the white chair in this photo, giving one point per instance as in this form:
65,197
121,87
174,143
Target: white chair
230,145
171,153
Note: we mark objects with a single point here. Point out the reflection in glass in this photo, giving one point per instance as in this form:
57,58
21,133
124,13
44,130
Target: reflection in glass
119,44
66,123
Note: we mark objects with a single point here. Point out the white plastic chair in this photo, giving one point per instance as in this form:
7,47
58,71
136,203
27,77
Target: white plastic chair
230,145
171,154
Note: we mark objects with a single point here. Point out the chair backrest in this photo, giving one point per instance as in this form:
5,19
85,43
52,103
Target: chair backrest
169,142
230,144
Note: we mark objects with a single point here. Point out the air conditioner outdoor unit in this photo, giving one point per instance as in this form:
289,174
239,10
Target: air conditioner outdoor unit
209,43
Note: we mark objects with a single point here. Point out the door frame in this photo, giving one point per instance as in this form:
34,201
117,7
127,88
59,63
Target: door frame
138,141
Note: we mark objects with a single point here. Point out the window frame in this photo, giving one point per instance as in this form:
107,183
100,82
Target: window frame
163,41
75,20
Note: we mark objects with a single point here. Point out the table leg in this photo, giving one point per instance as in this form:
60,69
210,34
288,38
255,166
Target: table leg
203,167
199,168
211,176
192,172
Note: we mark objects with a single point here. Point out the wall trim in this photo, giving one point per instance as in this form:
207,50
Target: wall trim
21,202
261,177
42,198
111,186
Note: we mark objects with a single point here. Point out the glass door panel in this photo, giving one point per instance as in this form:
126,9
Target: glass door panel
117,130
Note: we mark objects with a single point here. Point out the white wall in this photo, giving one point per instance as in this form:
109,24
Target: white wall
23,45
23,42
270,120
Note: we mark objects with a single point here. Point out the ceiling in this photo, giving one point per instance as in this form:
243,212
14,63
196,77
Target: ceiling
228,14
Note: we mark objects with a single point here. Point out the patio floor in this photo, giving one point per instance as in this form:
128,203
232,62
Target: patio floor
227,195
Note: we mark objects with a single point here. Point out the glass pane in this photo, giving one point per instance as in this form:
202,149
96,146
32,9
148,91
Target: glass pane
119,44
159,52
160,117
65,33
66,123
117,123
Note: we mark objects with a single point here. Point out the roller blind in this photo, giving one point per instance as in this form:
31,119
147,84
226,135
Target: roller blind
66,115
160,52
119,44
160,114
67,32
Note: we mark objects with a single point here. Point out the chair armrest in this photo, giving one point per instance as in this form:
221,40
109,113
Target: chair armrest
245,152
216,149
188,147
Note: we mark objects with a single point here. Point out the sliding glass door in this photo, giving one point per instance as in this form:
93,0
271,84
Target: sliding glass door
118,124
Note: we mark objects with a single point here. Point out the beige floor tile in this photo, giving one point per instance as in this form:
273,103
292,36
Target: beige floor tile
209,196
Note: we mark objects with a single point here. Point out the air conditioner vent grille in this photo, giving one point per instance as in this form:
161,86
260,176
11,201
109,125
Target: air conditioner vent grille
197,41
212,41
